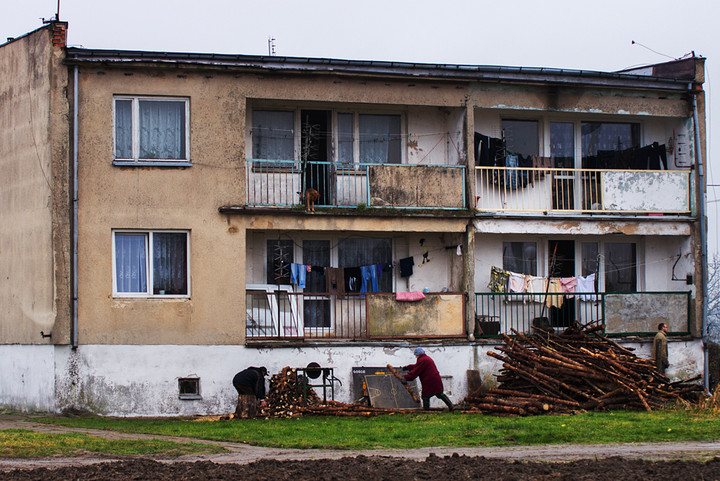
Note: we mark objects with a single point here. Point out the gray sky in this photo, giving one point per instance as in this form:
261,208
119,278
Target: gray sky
575,34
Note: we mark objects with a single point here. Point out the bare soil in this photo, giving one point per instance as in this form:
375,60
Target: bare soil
366,468
647,461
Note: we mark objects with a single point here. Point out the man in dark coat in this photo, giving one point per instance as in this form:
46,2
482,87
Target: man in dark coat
430,380
659,354
251,382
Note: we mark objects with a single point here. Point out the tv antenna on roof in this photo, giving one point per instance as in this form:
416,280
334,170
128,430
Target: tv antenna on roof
271,45
653,51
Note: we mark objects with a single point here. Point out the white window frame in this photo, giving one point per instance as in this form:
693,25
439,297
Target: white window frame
148,264
135,158
297,122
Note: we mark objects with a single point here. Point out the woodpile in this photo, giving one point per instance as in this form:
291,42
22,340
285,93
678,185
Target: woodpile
576,371
288,398
287,395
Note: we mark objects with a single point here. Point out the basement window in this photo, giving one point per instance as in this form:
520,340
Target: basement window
189,388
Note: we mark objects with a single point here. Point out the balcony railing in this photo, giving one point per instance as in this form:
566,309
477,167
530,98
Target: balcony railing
620,313
583,191
280,183
280,314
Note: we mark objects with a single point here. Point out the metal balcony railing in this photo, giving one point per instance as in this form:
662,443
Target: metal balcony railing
583,191
278,313
280,183
620,313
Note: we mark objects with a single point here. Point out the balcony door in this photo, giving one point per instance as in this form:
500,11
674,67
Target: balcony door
316,153
316,308
561,263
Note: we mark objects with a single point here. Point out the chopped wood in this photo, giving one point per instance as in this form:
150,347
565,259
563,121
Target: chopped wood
576,370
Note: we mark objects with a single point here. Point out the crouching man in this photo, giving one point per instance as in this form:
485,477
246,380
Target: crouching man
250,386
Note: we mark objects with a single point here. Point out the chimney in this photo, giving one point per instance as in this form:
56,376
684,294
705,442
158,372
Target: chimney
59,33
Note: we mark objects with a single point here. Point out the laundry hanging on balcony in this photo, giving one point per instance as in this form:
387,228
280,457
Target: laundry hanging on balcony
551,290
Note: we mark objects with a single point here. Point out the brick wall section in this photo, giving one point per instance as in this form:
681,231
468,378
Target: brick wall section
59,34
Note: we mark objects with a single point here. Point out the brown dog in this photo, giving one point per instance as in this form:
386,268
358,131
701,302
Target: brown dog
311,195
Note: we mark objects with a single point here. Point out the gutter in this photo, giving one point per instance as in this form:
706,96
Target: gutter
702,197
74,329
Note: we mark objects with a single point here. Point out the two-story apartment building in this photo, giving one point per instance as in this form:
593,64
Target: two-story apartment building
156,236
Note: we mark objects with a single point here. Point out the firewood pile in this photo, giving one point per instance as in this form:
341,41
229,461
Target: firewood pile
576,371
288,398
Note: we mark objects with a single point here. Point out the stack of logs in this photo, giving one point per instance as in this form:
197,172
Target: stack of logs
288,398
578,370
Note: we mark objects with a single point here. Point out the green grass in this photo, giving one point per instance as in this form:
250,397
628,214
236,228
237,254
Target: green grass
426,430
21,443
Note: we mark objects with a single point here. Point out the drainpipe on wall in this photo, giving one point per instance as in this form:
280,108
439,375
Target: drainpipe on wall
74,333
703,237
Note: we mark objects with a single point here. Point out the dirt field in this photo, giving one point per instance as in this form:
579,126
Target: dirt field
381,468
646,461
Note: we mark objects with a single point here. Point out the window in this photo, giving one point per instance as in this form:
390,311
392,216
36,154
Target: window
150,264
620,267
608,145
590,258
356,253
380,139
273,135
520,257
279,258
323,136
521,136
151,129
562,150
189,388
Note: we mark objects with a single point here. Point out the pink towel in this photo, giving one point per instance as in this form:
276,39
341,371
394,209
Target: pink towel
409,296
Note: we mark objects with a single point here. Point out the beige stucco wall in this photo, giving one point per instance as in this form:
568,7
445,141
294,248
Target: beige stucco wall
113,197
34,239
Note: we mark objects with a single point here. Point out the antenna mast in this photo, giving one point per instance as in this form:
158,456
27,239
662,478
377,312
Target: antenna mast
271,44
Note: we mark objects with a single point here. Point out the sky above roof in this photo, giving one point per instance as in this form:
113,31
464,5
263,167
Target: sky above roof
570,34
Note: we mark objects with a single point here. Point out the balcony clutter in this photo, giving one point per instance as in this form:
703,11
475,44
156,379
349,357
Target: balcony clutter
575,371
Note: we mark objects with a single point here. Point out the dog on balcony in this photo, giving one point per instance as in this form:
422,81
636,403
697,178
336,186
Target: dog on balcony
310,196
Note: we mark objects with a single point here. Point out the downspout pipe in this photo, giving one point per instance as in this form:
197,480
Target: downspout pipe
702,197
74,332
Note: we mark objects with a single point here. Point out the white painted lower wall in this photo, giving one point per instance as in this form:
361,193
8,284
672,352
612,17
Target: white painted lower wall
27,382
143,380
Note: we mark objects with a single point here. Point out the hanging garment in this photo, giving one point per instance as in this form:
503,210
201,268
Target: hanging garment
568,285
535,284
554,286
368,273
516,282
406,267
335,280
498,280
585,285
352,279
297,274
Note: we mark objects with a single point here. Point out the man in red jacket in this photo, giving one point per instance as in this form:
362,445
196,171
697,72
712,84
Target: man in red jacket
430,379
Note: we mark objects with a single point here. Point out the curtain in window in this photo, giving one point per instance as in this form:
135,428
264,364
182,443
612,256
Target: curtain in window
273,135
123,129
162,130
380,139
367,252
130,263
345,138
170,263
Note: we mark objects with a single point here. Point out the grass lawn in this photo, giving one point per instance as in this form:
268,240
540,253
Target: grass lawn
405,431
21,443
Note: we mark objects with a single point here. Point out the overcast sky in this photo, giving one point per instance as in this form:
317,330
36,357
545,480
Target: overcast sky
575,34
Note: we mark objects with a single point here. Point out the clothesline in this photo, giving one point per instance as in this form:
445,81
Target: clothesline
553,289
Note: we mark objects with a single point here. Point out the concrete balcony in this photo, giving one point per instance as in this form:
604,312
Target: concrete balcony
518,190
